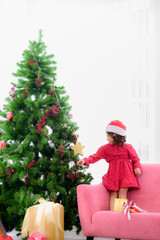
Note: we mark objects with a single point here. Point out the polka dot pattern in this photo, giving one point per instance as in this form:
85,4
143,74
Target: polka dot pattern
122,161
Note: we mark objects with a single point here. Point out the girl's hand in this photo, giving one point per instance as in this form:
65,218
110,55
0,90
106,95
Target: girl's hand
81,162
137,171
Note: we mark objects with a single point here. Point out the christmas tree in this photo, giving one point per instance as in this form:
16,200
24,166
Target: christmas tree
38,142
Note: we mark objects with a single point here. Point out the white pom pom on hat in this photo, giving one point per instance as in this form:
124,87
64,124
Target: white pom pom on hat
117,127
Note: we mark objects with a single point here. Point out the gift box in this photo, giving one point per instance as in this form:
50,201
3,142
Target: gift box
46,218
118,204
122,205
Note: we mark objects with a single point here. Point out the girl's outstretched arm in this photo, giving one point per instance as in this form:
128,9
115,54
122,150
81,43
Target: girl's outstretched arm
93,158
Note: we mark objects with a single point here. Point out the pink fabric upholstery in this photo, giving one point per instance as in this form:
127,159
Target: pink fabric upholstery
97,221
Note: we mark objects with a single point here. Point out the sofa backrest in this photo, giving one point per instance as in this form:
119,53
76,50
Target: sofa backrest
148,196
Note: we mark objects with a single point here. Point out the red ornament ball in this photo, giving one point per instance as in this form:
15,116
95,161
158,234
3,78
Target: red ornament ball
10,116
2,144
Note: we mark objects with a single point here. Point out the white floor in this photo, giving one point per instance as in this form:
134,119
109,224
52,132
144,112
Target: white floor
68,235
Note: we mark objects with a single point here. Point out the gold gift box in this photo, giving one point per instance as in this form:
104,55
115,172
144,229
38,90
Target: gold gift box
46,218
118,203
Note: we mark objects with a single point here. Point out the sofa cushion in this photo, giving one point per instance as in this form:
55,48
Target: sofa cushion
117,225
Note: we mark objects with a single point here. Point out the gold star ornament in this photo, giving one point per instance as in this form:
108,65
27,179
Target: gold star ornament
77,148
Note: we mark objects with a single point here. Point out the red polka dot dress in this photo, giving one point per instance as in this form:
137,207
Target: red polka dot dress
122,162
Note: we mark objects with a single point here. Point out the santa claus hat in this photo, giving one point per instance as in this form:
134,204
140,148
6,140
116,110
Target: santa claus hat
117,127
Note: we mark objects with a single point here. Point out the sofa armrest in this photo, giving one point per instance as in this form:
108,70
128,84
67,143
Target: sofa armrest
91,198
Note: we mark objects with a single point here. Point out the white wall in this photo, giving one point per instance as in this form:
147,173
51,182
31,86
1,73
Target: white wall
13,36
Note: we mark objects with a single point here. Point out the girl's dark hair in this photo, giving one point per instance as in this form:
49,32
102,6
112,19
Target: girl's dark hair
118,140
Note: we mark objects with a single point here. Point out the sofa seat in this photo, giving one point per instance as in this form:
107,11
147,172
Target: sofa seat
117,225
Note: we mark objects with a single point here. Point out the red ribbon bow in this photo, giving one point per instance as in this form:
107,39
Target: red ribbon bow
128,208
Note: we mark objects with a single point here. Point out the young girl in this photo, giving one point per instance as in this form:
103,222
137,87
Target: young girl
124,163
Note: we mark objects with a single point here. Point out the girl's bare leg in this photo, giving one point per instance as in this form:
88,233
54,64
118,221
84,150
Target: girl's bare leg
122,193
112,198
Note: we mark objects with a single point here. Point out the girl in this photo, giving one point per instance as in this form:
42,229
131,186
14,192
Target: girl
124,163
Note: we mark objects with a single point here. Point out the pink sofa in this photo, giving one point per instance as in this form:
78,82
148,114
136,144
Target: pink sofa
97,221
